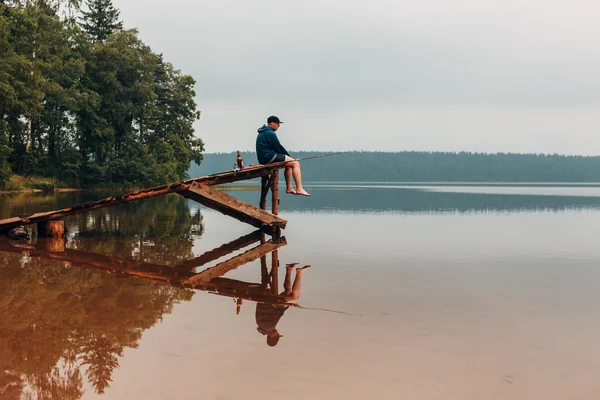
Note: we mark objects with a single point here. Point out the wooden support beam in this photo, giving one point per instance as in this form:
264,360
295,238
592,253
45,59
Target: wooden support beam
232,207
265,184
275,192
220,251
235,262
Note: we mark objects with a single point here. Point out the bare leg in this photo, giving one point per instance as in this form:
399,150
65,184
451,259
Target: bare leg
287,283
295,294
297,174
288,180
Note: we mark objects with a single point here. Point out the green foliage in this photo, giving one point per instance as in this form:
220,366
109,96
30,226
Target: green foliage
107,113
100,20
5,171
421,166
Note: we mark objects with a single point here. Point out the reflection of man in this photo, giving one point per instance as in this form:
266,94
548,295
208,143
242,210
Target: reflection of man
268,314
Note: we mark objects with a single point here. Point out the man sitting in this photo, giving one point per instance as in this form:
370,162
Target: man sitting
269,150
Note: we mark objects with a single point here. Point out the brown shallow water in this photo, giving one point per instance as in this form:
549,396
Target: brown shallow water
452,296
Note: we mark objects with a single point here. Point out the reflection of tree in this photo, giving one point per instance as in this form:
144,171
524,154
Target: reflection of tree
100,355
59,384
159,230
59,320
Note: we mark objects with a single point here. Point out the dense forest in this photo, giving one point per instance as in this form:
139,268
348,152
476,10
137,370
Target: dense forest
415,166
86,102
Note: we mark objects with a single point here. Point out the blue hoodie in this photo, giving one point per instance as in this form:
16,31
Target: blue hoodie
267,145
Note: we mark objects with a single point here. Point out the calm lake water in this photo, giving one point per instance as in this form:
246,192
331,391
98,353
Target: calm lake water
413,293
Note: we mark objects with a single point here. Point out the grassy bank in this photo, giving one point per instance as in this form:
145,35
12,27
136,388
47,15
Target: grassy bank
32,183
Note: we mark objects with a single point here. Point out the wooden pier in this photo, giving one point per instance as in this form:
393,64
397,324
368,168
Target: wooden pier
51,223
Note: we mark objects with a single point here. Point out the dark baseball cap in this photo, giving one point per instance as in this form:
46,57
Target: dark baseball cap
273,118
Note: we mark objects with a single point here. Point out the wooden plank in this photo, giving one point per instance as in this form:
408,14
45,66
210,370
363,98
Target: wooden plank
232,207
220,251
235,262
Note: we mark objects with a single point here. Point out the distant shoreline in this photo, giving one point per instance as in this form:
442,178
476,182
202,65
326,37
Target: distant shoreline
241,186
65,190
454,183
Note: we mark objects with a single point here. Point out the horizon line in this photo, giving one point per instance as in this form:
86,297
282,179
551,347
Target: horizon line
422,151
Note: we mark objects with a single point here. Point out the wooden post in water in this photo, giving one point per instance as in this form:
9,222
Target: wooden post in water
54,228
275,192
275,200
264,189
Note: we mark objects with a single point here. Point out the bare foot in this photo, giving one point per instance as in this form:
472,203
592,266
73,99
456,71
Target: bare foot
290,191
302,192
303,268
291,266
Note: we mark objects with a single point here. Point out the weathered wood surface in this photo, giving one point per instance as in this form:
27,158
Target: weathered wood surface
249,172
235,262
242,211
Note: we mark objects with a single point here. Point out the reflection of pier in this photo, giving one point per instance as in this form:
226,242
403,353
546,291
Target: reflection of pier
74,306
184,274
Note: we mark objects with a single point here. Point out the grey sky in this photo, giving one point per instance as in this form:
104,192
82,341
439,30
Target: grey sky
476,75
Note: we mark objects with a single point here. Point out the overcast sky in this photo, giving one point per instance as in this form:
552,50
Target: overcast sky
473,75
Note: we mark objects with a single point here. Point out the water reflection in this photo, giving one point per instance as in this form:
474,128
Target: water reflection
58,318
358,199
268,314
348,198
69,312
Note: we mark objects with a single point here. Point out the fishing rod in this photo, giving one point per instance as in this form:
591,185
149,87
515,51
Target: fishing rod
319,156
321,309
281,162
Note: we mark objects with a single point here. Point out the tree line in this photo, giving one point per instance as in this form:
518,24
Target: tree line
424,166
86,101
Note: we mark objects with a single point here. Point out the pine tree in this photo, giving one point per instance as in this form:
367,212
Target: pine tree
101,20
